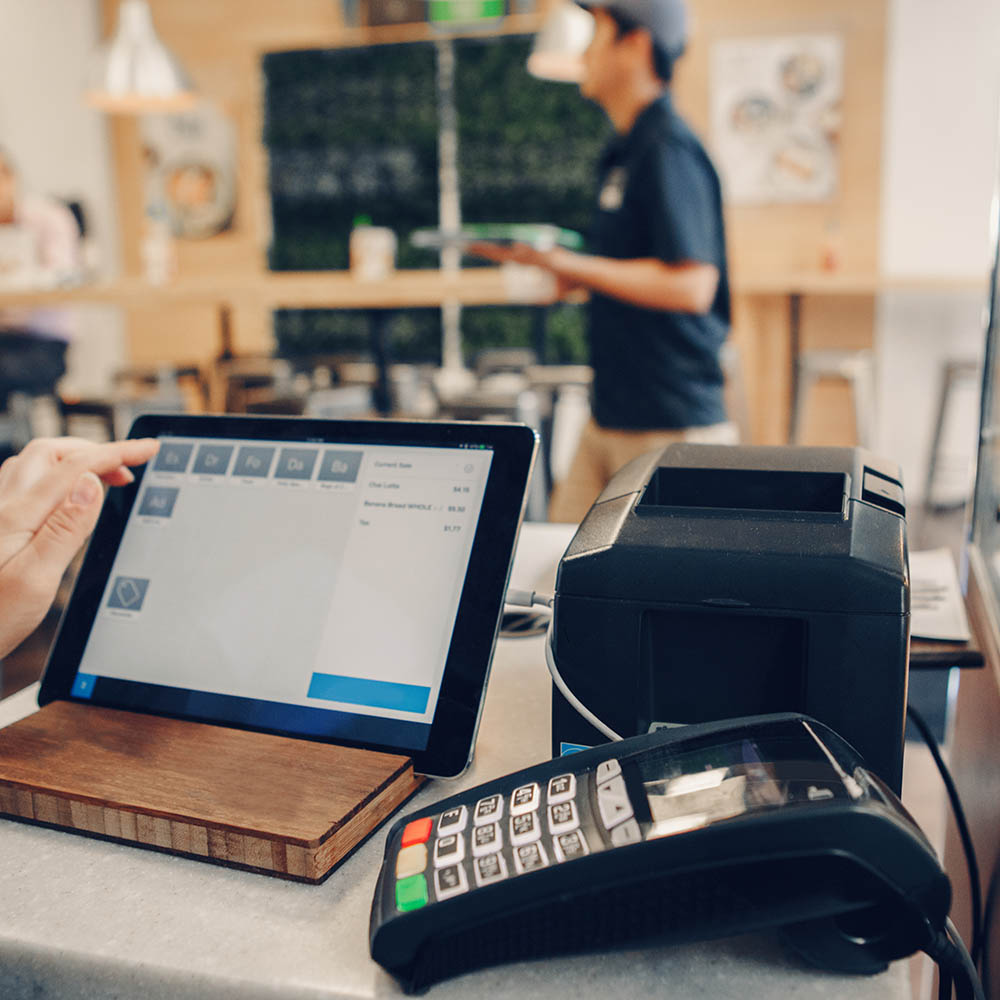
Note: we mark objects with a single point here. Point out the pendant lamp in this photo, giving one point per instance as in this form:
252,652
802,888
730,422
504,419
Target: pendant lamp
135,73
560,43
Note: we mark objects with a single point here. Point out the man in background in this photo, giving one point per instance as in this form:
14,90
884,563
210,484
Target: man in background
656,271
39,245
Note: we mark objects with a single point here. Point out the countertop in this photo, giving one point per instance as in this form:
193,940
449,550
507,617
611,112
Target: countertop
87,918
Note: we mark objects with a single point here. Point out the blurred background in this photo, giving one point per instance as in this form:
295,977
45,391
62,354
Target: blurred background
263,233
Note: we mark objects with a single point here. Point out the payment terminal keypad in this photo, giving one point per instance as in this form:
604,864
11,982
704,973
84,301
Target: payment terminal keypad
698,833
504,836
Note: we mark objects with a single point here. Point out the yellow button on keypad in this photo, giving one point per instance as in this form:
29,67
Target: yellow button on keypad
411,860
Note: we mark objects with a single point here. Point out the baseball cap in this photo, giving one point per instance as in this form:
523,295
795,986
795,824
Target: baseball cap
665,20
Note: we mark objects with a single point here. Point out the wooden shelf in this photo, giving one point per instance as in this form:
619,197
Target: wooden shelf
290,290
414,289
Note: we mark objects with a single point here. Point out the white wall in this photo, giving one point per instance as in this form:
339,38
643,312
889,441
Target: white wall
942,110
942,101
60,146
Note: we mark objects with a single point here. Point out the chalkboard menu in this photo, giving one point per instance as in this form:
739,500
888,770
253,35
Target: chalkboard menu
354,132
350,132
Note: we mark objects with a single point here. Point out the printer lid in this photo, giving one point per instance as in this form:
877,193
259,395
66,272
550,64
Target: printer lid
817,529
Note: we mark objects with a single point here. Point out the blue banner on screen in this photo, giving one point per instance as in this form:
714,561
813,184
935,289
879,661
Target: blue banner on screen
83,686
374,694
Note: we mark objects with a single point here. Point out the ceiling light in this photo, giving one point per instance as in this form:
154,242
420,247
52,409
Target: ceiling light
134,72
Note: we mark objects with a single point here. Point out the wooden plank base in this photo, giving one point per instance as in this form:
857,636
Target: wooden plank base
272,804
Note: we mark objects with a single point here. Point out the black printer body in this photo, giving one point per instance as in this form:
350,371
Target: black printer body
709,582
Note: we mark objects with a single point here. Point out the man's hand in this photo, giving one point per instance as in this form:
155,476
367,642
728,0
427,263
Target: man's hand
50,496
528,256
511,253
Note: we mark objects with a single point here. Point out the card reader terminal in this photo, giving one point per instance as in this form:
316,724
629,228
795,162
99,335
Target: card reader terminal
702,832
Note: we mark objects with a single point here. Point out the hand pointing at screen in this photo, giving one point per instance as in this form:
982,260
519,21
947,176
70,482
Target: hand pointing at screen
50,497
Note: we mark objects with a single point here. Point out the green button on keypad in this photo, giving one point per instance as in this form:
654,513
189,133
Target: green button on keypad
411,893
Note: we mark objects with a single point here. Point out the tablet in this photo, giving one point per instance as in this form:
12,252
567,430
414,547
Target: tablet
336,580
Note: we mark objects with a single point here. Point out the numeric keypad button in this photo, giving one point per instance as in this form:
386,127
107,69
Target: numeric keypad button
449,850
529,857
563,818
524,799
489,869
525,829
488,810
562,788
450,881
568,846
486,840
453,821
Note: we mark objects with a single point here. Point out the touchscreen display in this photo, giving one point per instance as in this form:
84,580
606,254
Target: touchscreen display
320,579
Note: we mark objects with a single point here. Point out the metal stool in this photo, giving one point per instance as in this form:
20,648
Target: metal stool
954,374
856,368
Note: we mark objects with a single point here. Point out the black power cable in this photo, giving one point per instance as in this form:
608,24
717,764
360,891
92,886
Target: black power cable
988,915
975,888
955,968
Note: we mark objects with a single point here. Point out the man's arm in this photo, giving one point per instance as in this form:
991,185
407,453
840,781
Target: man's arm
651,283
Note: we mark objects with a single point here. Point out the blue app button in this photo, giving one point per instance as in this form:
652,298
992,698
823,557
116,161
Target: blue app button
173,457
213,459
296,463
128,593
158,501
253,461
340,466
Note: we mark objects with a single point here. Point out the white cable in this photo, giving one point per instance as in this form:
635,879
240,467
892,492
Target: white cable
528,599
568,695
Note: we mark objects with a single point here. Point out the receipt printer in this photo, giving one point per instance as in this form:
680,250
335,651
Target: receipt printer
709,582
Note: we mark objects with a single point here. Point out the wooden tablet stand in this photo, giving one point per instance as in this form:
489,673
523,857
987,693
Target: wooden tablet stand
272,804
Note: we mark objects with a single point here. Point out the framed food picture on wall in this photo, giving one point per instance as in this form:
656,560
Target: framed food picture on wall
776,116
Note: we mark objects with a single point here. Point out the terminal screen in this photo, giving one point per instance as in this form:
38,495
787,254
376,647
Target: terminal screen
314,584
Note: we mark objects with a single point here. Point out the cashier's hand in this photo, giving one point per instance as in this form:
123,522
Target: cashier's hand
528,256
50,496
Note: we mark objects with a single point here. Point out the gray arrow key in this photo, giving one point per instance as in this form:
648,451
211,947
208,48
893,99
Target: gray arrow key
613,802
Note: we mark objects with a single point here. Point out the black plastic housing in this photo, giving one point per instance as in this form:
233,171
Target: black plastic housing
710,581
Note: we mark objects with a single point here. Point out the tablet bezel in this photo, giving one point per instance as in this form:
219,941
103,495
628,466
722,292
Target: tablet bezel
463,685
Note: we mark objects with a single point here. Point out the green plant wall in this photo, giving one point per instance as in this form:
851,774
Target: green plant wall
354,132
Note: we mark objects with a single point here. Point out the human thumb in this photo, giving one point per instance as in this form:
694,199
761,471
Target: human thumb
67,527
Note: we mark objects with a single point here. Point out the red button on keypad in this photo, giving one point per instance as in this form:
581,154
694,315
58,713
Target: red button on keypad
417,832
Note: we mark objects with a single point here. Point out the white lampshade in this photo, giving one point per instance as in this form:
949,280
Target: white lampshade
560,44
135,73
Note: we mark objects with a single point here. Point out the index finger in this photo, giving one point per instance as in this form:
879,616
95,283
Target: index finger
41,455
30,509
106,459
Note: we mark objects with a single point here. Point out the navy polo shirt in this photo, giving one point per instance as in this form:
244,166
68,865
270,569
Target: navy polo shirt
659,197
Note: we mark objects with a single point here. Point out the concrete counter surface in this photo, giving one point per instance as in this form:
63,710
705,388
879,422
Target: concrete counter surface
86,918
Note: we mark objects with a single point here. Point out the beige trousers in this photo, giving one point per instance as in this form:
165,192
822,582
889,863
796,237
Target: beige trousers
602,452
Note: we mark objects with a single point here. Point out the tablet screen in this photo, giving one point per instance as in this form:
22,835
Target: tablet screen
310,587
